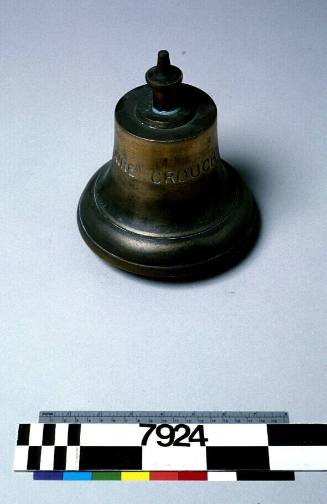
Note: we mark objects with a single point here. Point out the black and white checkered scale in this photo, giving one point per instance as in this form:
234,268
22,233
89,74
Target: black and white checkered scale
118,447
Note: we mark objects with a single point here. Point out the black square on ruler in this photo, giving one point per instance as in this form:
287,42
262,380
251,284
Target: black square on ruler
49,431
59,463
74,434
110,458
34,458
23,436
233,458
297,435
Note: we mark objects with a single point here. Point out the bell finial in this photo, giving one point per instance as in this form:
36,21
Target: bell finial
164,80
163,63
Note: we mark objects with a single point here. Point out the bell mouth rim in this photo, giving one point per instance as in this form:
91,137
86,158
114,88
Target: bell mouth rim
208,267
229,253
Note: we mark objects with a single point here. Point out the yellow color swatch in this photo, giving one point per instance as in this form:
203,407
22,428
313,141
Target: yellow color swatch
135,476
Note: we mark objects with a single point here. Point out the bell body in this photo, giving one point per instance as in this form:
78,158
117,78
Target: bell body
166,205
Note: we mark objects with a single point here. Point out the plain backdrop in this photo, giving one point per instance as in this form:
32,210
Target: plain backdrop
78,334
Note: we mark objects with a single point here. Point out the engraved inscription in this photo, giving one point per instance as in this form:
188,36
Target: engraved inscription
166,172
131,169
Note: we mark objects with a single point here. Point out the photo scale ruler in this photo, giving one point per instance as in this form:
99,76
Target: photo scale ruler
159,418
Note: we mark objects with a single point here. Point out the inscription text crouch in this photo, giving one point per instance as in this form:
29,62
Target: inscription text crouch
166,171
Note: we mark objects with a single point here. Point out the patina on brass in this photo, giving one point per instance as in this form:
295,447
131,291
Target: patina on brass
167,205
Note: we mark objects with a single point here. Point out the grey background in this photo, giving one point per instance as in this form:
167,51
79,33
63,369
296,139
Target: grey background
77,334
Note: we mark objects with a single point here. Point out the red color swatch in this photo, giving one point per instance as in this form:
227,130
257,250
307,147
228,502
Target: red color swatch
163,475
193,475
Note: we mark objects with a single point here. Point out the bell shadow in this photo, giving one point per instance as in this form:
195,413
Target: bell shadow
254,177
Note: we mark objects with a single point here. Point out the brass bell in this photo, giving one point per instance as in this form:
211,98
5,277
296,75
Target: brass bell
167,205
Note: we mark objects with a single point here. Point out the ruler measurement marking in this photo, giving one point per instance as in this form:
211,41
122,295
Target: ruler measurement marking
173,417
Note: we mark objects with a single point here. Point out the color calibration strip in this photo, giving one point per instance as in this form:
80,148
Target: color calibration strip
164,476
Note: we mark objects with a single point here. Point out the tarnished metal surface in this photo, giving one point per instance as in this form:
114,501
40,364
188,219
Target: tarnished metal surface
166,205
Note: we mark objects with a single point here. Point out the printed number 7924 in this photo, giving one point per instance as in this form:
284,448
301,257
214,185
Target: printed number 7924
174,435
